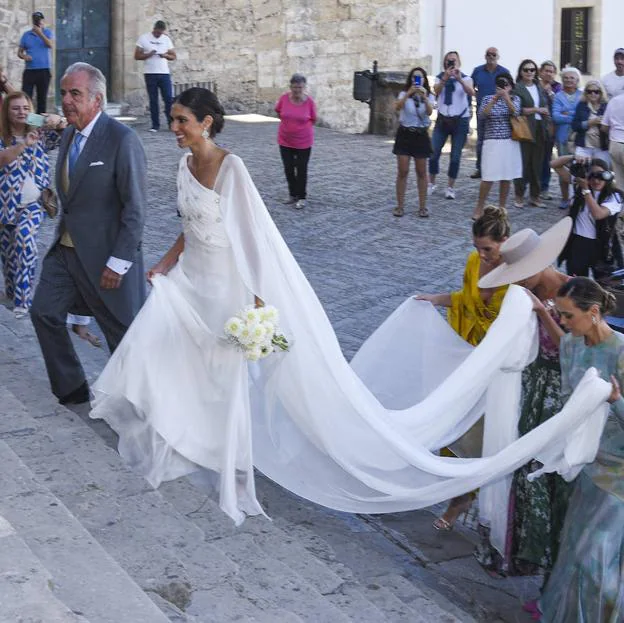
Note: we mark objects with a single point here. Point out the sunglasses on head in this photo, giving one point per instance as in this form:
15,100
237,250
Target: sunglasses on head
594,91
531,69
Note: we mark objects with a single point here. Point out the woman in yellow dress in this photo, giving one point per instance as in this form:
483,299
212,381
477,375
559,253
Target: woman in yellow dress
471,311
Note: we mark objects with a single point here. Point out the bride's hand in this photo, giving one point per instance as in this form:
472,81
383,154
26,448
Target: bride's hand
159,269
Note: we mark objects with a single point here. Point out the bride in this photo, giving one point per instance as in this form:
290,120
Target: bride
357,439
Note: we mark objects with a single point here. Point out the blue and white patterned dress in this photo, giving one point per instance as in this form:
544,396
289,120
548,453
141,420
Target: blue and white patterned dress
20,220
587,582
501,158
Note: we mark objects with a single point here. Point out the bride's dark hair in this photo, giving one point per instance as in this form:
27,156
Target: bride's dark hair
202,102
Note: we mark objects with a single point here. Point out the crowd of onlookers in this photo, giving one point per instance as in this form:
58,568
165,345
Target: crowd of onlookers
521,120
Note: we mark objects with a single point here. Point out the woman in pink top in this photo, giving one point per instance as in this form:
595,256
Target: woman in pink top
297,113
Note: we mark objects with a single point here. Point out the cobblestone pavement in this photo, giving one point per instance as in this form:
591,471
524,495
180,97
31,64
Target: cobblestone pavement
363,263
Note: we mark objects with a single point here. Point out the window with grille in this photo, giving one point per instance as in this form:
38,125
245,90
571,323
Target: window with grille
575,35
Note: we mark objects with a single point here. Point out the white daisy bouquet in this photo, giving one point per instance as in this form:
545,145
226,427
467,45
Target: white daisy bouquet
255,331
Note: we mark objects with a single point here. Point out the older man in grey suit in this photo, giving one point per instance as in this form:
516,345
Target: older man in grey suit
95,263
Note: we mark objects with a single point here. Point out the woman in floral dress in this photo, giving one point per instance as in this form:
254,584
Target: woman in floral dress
536,509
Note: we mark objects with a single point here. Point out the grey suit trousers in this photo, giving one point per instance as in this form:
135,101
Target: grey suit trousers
64,286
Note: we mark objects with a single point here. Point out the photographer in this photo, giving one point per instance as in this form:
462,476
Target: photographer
452,89
501,158
34,48
593,242
415,105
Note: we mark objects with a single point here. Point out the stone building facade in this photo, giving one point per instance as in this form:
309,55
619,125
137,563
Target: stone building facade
250,48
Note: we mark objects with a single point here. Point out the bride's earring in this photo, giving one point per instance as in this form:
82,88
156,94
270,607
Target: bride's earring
206,134
594,320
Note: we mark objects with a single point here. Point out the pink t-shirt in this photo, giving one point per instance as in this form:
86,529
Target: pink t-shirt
296,128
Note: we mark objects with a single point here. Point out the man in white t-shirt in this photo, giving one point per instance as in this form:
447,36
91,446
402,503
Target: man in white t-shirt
614,82
156,49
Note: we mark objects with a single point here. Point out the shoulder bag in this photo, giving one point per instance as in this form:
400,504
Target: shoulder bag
520,129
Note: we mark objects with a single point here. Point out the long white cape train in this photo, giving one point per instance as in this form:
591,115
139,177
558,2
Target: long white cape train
363,437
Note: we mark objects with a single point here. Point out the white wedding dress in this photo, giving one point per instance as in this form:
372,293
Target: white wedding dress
358,438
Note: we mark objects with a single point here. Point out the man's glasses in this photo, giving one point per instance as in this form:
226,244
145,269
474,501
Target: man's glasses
594,91
530,69
491,54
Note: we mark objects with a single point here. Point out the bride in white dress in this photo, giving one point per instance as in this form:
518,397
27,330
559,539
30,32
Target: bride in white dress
358,439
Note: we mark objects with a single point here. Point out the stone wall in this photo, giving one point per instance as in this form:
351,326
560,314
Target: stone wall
15,19
252,47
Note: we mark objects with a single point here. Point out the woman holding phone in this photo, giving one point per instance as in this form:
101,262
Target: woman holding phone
24,175
415,105
501,158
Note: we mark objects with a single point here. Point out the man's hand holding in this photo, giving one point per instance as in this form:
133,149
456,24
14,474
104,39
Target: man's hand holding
110,279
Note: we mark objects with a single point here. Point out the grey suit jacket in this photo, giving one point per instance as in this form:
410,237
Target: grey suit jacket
104,209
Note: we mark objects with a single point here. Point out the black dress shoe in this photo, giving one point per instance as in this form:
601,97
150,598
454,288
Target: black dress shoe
78,396
476,174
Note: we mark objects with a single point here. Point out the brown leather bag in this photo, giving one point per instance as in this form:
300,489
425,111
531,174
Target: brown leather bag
520,129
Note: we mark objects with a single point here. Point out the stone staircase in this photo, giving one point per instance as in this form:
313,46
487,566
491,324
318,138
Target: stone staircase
85,539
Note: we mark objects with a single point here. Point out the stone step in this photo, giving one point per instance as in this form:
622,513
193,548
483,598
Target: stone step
169,556
26,586
267,562
55,560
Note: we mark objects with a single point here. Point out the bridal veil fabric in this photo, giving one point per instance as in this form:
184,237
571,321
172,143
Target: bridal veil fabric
359,437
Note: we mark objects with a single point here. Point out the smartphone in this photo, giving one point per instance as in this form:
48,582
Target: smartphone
450,64
35,120
417,80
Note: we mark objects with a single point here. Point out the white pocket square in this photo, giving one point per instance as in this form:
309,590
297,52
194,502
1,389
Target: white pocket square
99,163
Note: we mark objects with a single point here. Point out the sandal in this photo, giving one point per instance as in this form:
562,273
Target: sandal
441,524
424,213
457,507
398,211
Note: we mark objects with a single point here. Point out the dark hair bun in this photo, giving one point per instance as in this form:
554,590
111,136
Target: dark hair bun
609,303
203,103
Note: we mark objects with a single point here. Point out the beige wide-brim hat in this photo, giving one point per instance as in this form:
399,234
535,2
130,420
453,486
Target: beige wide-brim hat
526,253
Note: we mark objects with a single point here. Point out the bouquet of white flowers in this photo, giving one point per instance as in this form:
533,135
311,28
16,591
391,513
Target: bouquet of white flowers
255,331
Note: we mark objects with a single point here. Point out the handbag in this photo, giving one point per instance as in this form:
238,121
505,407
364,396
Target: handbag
449,124
49,201
520,129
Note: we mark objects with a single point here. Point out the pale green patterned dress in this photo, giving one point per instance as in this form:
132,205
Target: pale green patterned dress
587,582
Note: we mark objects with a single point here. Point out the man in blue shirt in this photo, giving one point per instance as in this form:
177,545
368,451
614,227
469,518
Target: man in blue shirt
34,48
484,81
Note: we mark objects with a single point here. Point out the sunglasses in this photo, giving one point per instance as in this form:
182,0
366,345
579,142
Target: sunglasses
594,91
530,69
493,54
596,175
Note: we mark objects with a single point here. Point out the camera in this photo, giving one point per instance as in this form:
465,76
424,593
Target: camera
501,82
580,170
450,63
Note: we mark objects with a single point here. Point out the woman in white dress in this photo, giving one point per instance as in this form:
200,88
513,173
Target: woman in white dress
358,439
163,426
501,156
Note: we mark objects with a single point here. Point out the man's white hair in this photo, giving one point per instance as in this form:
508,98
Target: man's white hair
97,81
